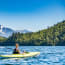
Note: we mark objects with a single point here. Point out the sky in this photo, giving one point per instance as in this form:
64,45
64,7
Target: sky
32,15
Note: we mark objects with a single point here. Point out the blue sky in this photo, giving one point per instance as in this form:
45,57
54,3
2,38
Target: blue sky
33,15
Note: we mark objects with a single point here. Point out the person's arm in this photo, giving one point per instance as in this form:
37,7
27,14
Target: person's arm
18,51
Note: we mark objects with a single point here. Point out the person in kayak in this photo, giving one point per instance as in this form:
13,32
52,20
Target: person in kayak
16,50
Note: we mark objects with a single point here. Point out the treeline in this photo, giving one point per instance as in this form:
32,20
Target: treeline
2,39
52,36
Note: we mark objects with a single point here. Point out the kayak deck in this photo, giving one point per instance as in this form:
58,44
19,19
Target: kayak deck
30,54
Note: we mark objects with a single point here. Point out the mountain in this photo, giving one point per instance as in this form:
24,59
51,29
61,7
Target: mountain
23,31
52,36
6,32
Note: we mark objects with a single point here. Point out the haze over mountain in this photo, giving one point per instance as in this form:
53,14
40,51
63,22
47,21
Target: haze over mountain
23,31
6,32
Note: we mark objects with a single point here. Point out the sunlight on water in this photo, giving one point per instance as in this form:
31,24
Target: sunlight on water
48,55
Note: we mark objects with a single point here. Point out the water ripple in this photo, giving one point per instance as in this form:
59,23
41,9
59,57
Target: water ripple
49,55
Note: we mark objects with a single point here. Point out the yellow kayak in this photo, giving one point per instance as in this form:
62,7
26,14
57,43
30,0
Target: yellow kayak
30,54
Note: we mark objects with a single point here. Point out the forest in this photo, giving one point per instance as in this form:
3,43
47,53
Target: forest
52,36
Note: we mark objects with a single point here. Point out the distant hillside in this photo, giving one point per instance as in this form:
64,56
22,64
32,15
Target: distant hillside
2,39
6,32
54,35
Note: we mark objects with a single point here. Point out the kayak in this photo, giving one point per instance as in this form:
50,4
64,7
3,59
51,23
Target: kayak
30,54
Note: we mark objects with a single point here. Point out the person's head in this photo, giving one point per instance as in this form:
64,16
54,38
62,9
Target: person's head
17,45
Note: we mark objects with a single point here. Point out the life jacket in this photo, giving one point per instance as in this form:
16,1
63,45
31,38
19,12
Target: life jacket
16,51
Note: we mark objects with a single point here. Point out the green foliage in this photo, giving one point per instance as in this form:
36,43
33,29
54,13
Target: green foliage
54,35
2,39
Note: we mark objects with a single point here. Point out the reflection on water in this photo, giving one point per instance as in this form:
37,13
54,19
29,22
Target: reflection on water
49,55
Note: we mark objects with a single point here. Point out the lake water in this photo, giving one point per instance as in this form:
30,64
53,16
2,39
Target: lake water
49,55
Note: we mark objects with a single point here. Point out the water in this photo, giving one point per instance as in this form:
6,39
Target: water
49,55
